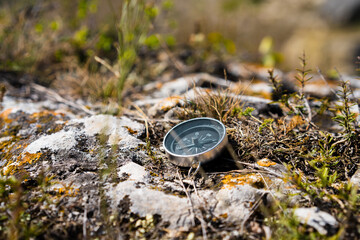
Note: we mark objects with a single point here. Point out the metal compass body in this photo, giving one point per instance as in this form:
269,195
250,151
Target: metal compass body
195,141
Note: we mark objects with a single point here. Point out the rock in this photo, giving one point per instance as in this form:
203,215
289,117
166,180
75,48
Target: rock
165,105
136,172
144,200
28,106
121,131
355,179
236,202
354,81
251,71
231,203
5,139
100,159
182,85
159,106
63,140
323,222
274,168
341,12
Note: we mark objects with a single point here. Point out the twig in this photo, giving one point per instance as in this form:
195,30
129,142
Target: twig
234,156
255,206
326,83
84,221
145,118
201,218
56,97
189,198
105,64
270,191
196,170
307,105
178,65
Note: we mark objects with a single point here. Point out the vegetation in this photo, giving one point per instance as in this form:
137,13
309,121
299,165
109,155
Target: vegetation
119,56
319,162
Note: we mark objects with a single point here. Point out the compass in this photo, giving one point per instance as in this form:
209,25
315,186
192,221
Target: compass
198,140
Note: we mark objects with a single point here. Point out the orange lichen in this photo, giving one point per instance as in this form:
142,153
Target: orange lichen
68,191
265,162
43,116
266,95
5,145
22,146
170,102
230,181
131,131
225,215
12,145
43,113
5,115
26,158
159,85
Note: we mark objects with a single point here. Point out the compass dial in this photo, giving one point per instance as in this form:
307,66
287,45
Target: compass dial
195,140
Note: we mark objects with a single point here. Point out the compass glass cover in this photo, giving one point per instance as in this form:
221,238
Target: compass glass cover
194,137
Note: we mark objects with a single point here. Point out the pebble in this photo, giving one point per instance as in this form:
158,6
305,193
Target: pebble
323,222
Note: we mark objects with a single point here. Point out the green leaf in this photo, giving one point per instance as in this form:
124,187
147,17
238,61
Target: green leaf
152,42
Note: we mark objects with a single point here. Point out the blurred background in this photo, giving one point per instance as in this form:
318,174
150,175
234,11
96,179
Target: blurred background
327,30
47,36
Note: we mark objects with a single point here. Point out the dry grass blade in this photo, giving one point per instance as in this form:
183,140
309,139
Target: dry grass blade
189,198
201,218
145,118
56,97
217,104
252,211
85,221
105,64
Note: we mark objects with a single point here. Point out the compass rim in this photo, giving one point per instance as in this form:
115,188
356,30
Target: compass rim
175,156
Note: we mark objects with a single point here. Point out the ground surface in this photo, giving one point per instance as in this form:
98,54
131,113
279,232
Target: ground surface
81,173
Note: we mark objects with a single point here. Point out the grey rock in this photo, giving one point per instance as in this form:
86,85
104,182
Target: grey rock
353,80
341,12
276,169
121,132
145,200
323,222
237,202
63,140
248,71
182,85
355,179
5,139
232,204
